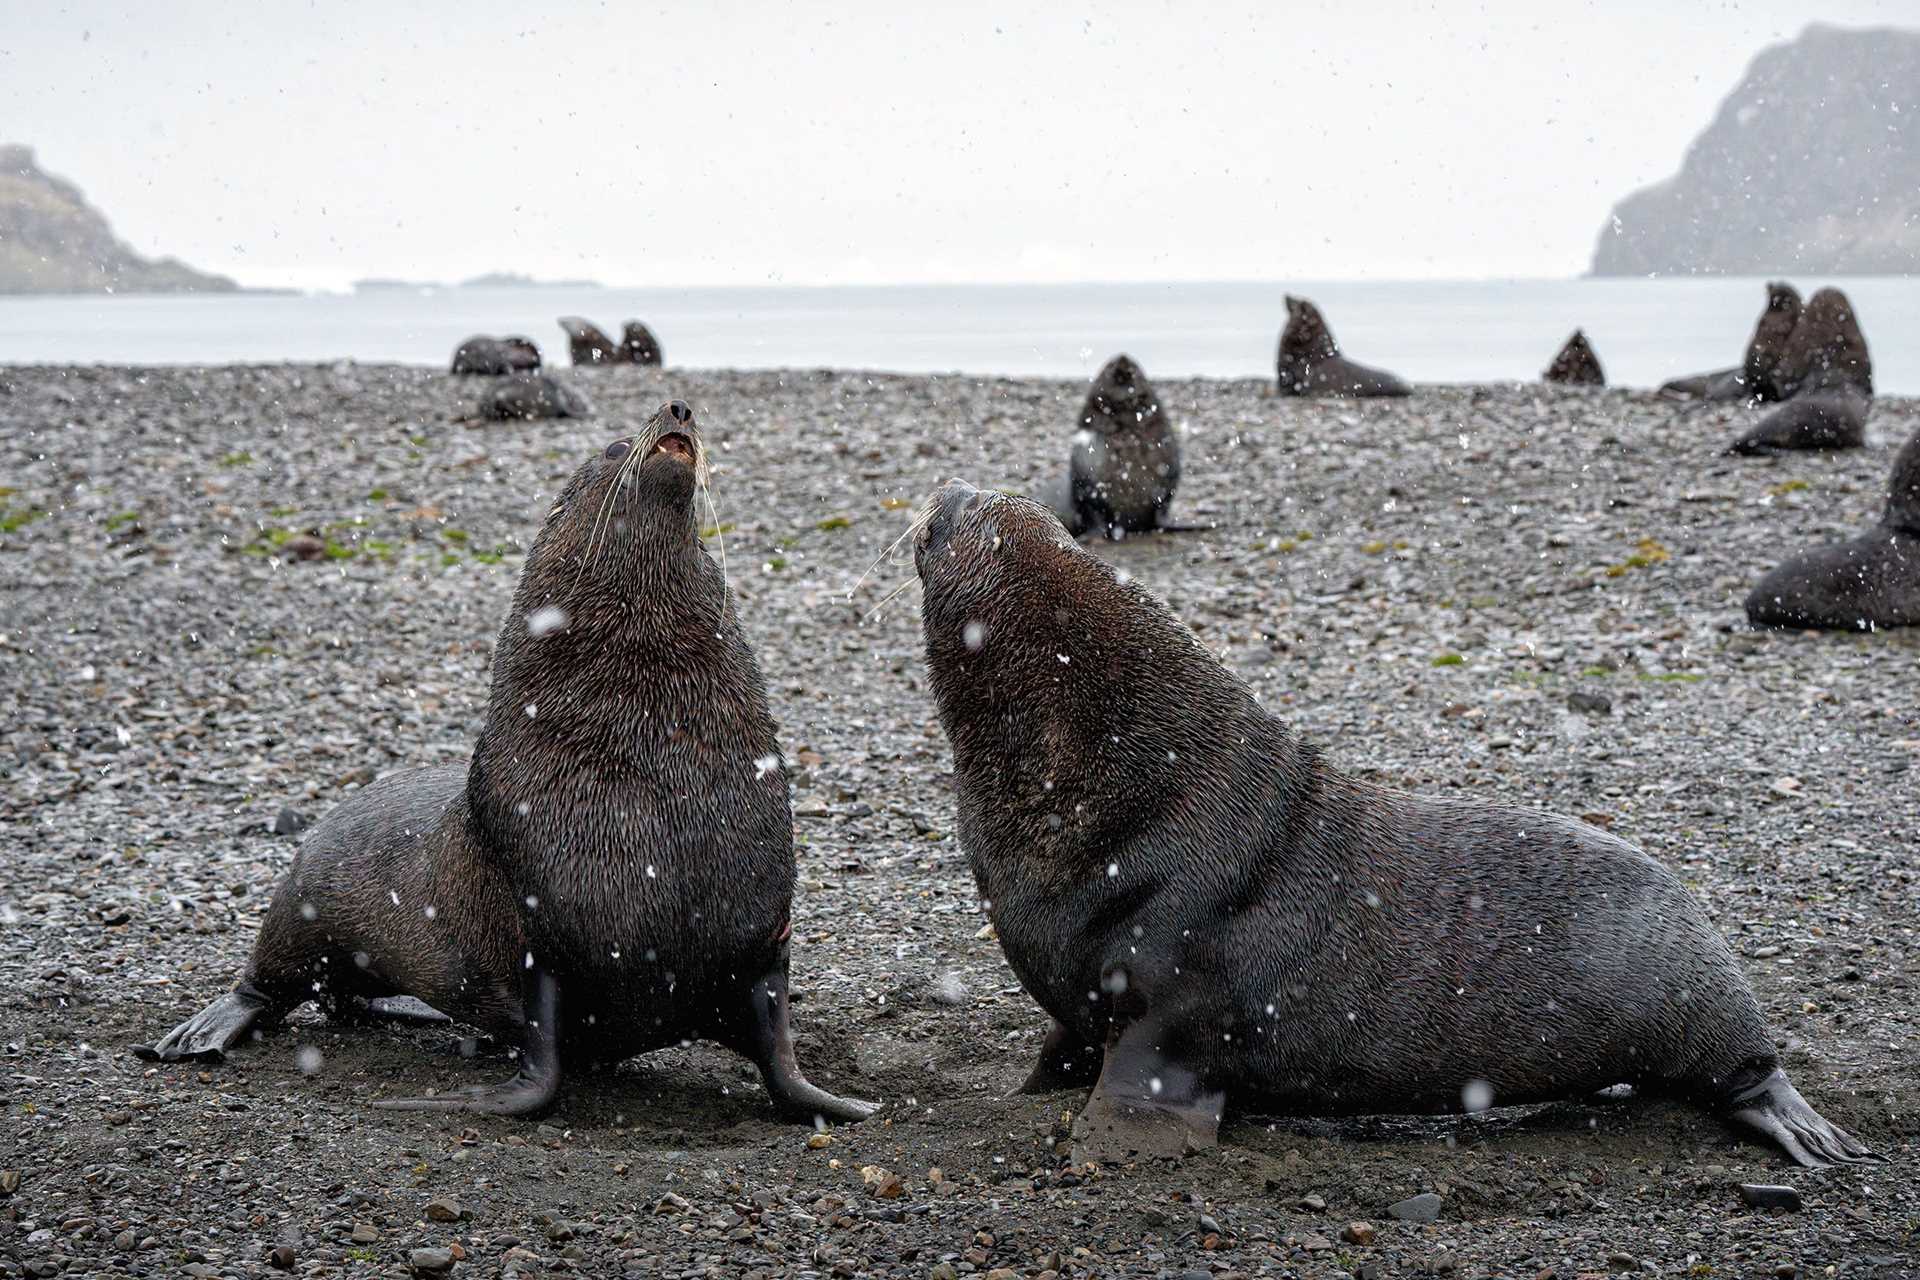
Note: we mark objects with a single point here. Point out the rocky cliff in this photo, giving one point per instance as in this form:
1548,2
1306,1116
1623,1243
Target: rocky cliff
1810,167
53,241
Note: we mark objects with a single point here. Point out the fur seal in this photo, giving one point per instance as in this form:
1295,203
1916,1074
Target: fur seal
1310,363
1824,376
1754,379
1213,914
482,354
589,345
1125,460
1576,365
1864,584
638,345
532,395
613,870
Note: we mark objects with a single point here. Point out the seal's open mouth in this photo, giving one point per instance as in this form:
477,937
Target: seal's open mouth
676,444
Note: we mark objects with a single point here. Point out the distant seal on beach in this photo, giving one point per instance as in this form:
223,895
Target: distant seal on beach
638,345
483,354
1213,915
532,395
589,345
1867,583
1576,365
1310,363
1824,377
1754,379
613,870
1125,460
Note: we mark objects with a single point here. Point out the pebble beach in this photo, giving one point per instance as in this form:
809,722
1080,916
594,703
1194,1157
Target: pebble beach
231,595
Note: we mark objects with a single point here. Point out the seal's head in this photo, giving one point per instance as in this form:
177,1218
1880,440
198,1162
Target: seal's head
638,344
1306,336
1782,296
1121,398
1046,661
623,529
520,352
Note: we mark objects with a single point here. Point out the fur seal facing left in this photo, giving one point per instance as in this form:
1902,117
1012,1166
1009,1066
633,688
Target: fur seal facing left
1576,365
532,395
1867,583
1754,379
613,870
1310,363
1824,378
482,354
1125,460
1214,915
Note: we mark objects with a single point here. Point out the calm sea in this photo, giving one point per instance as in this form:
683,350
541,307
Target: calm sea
1429,331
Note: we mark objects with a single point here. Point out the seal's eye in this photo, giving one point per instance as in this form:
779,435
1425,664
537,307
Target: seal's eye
618,450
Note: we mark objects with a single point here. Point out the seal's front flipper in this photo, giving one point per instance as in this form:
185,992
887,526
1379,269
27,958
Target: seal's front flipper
534,1087
1774,1109
1146,1105
208,1034
766,1036
1067,1061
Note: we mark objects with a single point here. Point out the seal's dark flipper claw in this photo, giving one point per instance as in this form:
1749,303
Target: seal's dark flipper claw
766,1036
405,1009
1774,1109
1066,1062
534,1087
208,1034
1146,1105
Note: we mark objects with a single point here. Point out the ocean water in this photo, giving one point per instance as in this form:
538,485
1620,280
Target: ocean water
1429,331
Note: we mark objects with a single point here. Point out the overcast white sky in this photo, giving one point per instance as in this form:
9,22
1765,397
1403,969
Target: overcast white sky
718,143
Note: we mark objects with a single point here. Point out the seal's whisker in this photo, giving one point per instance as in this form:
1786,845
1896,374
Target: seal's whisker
919,522
603,519
888,598
719,530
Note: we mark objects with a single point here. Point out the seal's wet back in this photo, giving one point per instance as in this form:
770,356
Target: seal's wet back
1212,914
613,870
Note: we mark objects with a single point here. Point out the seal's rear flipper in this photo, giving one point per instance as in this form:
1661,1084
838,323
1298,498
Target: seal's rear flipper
1146,1105
404,1009
534,1087
1774,1109
208,1034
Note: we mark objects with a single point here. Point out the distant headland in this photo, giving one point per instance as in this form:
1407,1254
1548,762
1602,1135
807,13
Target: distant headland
1811,167
53,241
491,280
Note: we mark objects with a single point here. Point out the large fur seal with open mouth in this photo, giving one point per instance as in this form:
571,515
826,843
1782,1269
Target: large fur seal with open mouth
1310,363
1824,379
1866,583
613,870
1125,460
1755,378
1213,914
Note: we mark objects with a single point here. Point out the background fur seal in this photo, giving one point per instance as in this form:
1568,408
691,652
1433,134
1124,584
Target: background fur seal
1179,879
482,354
532,395
1825,378
1863,584
589,345
1125,461
1576,365
1310,363
1754,379
613,870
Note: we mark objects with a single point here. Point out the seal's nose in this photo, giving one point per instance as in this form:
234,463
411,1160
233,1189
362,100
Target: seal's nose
681,411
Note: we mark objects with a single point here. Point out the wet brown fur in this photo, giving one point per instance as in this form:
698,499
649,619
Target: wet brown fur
588,344
1824,378
495,356
1177,877
1125,461
1310,363
1576,365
